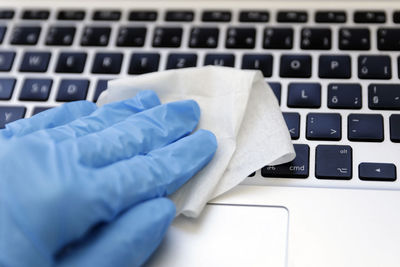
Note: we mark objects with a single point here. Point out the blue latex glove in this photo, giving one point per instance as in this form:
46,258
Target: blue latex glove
85,186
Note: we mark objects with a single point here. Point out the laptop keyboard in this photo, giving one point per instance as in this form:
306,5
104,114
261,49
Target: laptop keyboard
334,72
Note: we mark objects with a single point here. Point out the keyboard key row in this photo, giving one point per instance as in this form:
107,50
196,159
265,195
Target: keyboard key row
332,162
207,37
286,16
328,127
291,66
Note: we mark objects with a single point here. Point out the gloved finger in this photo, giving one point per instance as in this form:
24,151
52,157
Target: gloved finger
50,118
140,133
104,117
127,241
157,174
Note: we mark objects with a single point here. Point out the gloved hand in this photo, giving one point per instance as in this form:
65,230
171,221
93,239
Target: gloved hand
85,186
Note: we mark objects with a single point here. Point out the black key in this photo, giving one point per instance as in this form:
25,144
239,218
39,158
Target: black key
107,15
36,14
3,30
36,89
216,16
254,16
9,114
71,15
227,60
107,63
298,168
179,15
252,174
100,87
276,88
95,36
35,62
304,95
374,67
333,162
278,38
131,36
316,38
354,39
179,61
240,38
295,66
344,96
72,90
144,63
396,17
6,14
332,66
388,39
368,171
6,60
143,15
324,126
60,36
292,120
71,63
292,16
24,35
395,128
6,88
260,62
365,127
330,17
201,37
369,17
167,37
37,110
384,96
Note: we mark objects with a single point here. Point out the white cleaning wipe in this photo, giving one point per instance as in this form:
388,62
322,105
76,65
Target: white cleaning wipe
237,106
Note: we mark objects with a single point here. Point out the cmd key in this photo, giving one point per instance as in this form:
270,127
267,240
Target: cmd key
298,168
369,171
333,162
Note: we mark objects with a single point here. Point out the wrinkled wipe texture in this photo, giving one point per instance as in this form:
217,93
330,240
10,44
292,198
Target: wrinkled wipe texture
238,106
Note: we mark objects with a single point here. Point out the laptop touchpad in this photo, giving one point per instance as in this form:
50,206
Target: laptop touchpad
226,235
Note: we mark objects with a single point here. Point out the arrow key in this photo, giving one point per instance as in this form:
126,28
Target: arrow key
377,171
